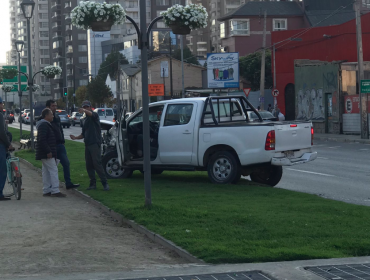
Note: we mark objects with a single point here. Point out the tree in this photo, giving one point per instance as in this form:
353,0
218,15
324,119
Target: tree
61,104
98,91
70,96
188,56
250,69
81,95
110,65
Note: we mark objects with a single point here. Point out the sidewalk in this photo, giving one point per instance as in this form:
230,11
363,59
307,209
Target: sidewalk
341,138
45,236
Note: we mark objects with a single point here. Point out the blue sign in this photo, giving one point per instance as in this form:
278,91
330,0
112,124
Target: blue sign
223,70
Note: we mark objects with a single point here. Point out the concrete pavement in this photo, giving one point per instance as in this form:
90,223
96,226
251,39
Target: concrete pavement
341,138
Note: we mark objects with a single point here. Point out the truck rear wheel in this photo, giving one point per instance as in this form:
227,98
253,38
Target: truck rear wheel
270,175
224,168
112,168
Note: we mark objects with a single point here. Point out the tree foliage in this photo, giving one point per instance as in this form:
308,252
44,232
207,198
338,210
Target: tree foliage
81,95
110,65
188,56
61,104
250,69
98,92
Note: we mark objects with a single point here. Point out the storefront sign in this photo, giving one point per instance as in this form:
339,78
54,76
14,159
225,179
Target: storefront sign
352,104
156,90
223,70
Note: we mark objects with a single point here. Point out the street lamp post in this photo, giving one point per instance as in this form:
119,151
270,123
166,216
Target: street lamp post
28,7
143,44
19,46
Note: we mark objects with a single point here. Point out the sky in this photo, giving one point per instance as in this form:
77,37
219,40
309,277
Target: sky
5,26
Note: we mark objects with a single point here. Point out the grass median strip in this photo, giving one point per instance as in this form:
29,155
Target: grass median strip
232,223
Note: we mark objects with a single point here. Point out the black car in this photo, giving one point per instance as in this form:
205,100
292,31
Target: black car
10,115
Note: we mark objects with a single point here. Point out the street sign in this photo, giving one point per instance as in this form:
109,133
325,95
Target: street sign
246,91
156,89
275,93
365,86
14,82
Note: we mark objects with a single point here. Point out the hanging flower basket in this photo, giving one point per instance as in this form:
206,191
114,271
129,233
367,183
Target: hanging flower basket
9,73
51,70
7,88
97,16
183,19
34,88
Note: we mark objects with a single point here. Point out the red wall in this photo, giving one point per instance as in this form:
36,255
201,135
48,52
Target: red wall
314,46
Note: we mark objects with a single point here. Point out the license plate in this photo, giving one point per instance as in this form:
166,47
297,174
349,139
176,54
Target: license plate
289,154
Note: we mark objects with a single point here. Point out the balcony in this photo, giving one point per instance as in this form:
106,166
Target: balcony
57,28
57,38
56,18
56,7
202,43
201,49
69,53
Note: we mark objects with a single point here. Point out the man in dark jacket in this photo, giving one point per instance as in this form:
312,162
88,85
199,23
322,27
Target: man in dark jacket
4,146
61,149
46,151
91,133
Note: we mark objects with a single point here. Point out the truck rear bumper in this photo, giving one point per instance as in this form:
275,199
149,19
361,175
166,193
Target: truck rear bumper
285,161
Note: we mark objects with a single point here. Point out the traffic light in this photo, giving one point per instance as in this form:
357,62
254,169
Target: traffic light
1,81
65,91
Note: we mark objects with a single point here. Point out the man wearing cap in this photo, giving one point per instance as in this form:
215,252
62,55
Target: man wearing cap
4,146
91,133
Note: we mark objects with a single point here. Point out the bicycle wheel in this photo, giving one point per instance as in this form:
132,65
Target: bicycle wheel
17,187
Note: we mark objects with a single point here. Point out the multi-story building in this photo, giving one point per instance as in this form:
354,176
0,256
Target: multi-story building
69,48
39,43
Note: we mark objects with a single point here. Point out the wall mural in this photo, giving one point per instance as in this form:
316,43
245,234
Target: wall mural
310,104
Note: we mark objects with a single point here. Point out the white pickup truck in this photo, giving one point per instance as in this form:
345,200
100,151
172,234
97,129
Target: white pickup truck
210,134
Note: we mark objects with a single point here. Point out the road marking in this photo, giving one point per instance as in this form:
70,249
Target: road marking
318,145
335,147
315,173
322,157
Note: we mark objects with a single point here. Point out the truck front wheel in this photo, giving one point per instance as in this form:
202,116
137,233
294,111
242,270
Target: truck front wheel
270,175
112,168
224,168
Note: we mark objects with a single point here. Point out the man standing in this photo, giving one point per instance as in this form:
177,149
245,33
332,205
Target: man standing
91,133
61,149
4,146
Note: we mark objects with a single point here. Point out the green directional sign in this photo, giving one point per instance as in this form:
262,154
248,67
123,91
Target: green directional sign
365,86
14,82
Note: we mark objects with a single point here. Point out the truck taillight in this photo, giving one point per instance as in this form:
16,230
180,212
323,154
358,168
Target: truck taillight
270,141
312,133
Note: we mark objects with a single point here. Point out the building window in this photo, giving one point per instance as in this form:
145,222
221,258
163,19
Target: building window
69,49
279,24
131,4
163,2
44,43
82,36
83,82
83,71
82,48
43,7
82,59
239,27
43,25
44,34
213,22
134,15
222,30
176,2
44,61
160,24
44,52
148,4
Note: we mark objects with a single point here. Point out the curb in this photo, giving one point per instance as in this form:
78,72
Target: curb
342,140
122,220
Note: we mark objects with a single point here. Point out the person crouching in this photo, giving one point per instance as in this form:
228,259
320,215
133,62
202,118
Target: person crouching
46,151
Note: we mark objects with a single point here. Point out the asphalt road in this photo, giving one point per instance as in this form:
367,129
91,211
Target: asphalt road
74,130
341,172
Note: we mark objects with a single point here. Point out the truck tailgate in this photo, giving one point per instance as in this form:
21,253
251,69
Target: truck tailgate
292,136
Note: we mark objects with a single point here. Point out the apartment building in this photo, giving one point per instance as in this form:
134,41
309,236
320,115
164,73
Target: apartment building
39,43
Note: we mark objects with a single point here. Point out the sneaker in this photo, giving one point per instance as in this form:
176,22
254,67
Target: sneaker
91,187
106,187
2,198
72,186
59,194
47,194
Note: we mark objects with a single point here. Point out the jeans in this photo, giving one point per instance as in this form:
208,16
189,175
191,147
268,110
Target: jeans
50,176
93,163
64,161
2,168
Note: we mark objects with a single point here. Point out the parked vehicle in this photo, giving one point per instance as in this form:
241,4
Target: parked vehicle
27,118
82,119
266,116
127,115
75,118
64,118
23,115
106,114
9,115
211,134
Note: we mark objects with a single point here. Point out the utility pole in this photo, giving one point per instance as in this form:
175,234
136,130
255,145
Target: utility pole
360,58
182,65
274,49
171,85
164,81
118,89
262,83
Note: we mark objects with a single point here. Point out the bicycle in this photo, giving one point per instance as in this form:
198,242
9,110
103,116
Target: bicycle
14,177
